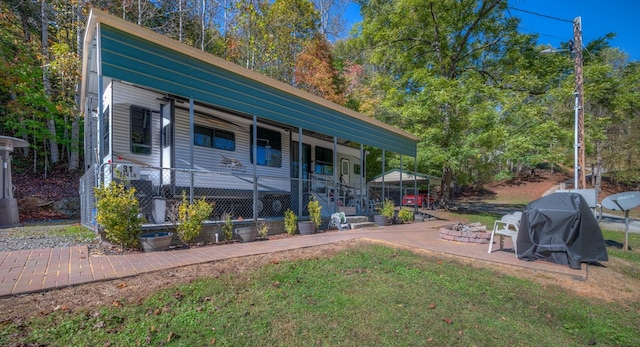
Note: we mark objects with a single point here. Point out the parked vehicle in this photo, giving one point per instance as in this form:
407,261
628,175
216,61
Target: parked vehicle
423,199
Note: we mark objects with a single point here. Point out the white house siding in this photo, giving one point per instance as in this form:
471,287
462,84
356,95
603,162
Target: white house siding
125,96
240,176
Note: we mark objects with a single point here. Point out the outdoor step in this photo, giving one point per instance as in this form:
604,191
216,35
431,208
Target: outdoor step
362,225
357,219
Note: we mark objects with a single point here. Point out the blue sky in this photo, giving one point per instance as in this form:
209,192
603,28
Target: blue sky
599,17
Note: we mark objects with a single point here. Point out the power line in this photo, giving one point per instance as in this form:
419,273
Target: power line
542,15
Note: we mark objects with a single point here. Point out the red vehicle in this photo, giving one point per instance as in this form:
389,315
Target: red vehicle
410,199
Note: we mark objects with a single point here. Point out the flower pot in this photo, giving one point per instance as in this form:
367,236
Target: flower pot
247,234
306,228
154,242
380,220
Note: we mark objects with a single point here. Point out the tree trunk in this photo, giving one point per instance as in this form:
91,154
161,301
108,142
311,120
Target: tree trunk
51,124
74,150
445,187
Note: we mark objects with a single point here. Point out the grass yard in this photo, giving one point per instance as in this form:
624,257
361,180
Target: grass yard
367,295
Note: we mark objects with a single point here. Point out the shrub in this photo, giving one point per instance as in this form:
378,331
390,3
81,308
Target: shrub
405,215
227,227
314,212
118,213
290,222
388,208
263,229
190,218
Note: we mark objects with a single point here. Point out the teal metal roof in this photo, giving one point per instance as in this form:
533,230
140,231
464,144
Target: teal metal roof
130,57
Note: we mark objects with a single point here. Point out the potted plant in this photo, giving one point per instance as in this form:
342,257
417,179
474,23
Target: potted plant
386,212
290,222
315,220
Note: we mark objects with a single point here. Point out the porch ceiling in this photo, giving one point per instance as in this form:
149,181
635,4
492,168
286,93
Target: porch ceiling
139,56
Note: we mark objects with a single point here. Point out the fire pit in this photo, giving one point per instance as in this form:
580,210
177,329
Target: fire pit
466,232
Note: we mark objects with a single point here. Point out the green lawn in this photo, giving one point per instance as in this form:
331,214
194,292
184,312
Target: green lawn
368,295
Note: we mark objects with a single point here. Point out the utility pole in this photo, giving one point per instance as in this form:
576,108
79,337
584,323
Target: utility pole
579,92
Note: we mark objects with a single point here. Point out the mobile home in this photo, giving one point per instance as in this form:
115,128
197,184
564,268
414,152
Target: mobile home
168,118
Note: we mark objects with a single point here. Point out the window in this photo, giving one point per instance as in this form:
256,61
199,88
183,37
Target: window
269,147
345,167
356,169
140,130
324,161
105,131
214,138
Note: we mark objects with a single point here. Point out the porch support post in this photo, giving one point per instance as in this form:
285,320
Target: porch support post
415,182
336,182
300,172
383,171
191,130
360,197
401,174
254,150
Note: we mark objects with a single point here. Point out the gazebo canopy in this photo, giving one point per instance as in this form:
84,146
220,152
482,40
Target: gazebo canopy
396,175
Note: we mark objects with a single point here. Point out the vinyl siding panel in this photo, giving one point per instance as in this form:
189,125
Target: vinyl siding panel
210,158
125,96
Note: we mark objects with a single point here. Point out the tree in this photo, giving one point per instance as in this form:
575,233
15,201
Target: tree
435,61
290,24
315,73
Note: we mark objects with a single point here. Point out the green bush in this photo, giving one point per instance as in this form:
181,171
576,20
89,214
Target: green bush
405,215
227,227
118,213
263,229
314,212
290,222
388,209
190,218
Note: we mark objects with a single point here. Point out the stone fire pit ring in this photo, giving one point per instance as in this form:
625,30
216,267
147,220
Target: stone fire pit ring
474,233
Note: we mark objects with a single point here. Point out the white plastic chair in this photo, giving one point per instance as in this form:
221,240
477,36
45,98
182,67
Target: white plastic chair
339,220
508,225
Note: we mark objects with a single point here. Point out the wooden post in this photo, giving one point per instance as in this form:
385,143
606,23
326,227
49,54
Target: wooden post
577,47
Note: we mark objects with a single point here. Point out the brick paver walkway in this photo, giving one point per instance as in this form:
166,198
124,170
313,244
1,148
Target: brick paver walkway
29,271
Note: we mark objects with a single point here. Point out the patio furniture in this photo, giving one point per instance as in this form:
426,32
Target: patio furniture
339,220
508,225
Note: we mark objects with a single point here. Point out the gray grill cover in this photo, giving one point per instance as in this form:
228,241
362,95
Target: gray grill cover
560,228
